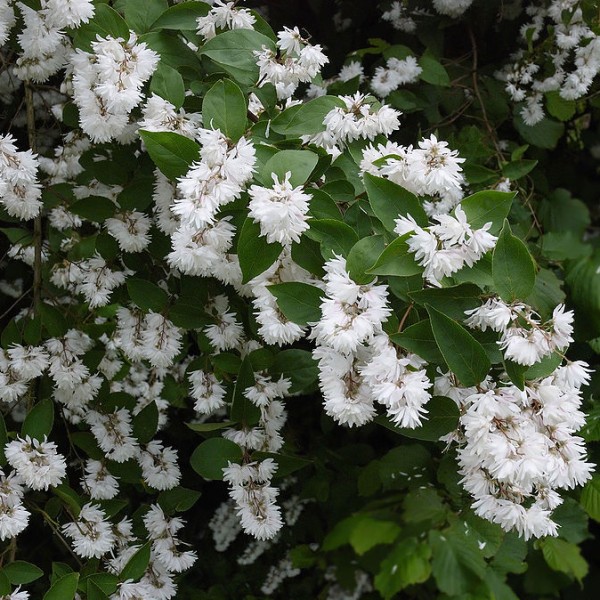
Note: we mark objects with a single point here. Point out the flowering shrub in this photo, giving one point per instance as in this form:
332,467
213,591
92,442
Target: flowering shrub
339,312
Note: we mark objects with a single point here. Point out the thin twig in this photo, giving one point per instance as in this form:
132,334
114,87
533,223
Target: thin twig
7,311
488,125
405,316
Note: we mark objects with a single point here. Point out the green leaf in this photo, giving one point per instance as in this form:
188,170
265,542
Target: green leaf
17,236
297,365
364,254
299,302
286,463
452,301
172,50
147,295
243,410
558,107
168,84
305,119
102,583
140,14
547,292
178,499
172,153
564,557
105,22
423,504
213,455
390,201
334,236
225,107
255,254
563,245
544,134
227,362
234,52
39,420
299,163
145,423
433,72
69,496
208,427
418,338
20,572
11,334
396,259
406,564
94,592
489,206
188,316
53,320
136,566
572,521
307,254
464,355
457,561
479,174
516,373
65,587
590,498
442,418
561,212
182,16
369,532
513,269
518,168
94,208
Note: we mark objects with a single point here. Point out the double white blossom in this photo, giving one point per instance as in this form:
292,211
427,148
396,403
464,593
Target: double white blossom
20,191
107,84
446,247
525,339
295,61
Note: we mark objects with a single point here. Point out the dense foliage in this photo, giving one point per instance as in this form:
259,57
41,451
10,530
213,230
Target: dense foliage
299,299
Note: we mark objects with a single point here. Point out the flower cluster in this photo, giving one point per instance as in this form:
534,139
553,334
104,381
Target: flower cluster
20,191
431,170
525,339
222,16
295,62
281,210
396,72
568,70
107,84
447,247
517,447
249,487
358,117
358,365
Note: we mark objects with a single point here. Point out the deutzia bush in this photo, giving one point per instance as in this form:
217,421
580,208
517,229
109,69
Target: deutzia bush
298,311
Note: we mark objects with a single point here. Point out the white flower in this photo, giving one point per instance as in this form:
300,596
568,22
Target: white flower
452,8
224,15
159,466
206,390
20,192
91,534
255,498
280,210
37,462
113,433
130,229
101,485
